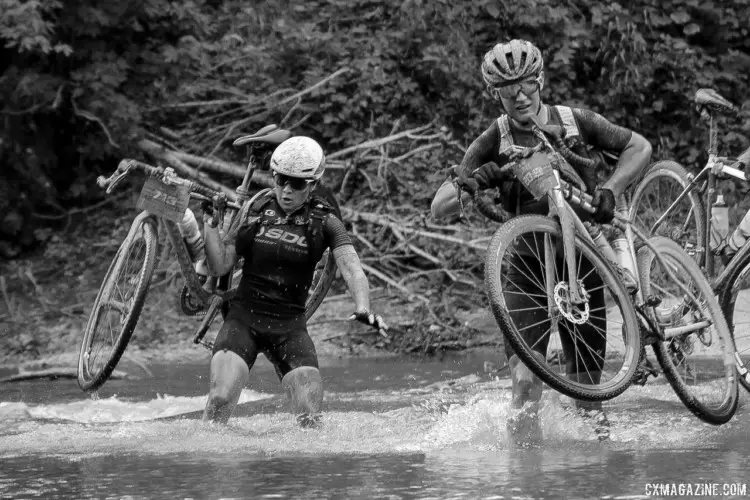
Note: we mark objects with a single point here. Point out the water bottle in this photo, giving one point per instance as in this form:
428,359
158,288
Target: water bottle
191,233
601,241
719,225
740,235
620,243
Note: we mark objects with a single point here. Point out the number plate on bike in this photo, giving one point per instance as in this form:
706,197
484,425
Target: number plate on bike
536,173
165,200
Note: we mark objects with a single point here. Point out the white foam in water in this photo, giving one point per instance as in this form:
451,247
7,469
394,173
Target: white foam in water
114,410
468,413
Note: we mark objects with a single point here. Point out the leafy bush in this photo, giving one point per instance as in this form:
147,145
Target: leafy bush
86,80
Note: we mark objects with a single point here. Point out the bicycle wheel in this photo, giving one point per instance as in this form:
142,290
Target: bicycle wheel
660,186
735,304
325,271
117,307
700,364
600,339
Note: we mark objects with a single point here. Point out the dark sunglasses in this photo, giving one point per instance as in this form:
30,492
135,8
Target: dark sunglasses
295,183
528,87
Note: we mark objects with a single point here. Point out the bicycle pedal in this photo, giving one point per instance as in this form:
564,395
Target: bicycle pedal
643,372
207,344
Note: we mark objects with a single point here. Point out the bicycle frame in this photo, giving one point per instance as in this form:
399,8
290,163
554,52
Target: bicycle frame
559,195
623,224
709,174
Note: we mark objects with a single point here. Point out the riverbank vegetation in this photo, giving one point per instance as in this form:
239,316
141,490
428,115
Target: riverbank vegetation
392,90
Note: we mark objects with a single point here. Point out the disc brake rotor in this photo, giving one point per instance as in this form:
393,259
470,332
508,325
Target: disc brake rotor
575,313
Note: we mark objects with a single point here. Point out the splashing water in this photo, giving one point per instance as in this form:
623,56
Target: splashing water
446,436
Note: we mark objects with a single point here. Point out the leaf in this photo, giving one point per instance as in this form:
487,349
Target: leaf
691,29
492,9
680,17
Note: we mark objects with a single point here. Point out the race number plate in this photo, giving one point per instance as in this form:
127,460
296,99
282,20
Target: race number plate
165,200
536,173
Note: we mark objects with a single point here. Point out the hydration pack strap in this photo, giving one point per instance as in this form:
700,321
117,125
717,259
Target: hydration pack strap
313,221
506,137
568,122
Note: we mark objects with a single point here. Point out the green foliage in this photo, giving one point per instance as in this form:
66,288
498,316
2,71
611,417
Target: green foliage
86,80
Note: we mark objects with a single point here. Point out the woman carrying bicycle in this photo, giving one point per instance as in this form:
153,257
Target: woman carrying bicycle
514,74
281,238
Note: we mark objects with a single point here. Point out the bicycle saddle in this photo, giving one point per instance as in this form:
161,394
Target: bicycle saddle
712,99
270,134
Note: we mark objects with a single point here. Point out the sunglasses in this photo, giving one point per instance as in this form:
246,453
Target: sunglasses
509,91
295,183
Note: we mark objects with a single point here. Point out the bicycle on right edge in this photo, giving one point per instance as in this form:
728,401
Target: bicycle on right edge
672,202
579,325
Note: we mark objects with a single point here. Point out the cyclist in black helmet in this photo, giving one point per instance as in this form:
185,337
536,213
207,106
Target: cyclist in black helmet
280,253
513,73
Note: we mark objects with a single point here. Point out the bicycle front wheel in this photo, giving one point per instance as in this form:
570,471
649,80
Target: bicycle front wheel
117,306
661,185
698,355
588,351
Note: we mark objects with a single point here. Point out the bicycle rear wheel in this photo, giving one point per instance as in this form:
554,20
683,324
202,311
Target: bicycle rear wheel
117,306
325,271
600,340
660,186
734,300
699,364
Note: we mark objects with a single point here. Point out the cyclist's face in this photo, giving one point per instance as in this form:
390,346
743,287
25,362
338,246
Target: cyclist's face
522,100
291,192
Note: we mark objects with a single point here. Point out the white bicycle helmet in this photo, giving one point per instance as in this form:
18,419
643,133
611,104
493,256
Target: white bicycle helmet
299,157
510,62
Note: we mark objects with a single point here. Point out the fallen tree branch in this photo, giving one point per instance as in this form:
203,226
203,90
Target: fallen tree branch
351,215
269,108
93,118
376,143
54,373
383,277
166,155
220,166
414,248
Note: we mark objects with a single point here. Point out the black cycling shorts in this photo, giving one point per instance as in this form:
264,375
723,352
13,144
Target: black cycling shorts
284,341
525,275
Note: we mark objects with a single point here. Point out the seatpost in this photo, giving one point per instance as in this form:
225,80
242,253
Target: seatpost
712,136
712,152
243,190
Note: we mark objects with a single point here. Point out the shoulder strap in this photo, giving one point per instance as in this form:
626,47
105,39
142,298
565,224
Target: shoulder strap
568,122
252,206
506,137
261,198
319,210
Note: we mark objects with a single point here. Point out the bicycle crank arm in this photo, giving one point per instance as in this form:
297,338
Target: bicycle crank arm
215,306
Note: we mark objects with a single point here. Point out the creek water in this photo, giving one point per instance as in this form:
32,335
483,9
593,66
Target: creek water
393,428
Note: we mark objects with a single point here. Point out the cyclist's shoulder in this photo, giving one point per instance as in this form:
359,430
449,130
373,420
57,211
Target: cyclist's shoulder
492,134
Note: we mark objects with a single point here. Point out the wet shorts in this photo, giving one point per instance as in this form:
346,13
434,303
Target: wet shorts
285,342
